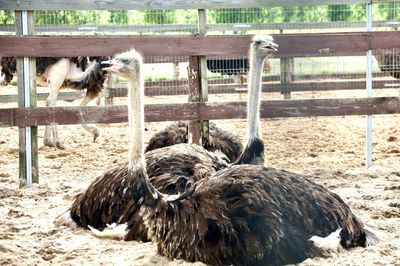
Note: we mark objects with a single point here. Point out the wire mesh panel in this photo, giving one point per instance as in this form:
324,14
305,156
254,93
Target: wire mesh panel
387,71
141,22
7,22
228,74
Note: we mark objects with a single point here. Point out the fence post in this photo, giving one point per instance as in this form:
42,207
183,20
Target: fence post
368,126
198,87
194,74
108,91
287,67
26,74
205,132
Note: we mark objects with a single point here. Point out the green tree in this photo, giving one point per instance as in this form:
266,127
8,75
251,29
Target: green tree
389,11
339,12
238,15
118,17
159,16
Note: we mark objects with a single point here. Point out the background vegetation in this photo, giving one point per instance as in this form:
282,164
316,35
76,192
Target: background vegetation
382,12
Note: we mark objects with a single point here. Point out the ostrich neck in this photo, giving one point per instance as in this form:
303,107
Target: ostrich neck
136,120
137,161
254,91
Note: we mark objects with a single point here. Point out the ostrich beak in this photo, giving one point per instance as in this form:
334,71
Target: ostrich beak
110,65
271,46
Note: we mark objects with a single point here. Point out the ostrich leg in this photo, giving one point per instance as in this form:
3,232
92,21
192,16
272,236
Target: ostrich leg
56,76
91,129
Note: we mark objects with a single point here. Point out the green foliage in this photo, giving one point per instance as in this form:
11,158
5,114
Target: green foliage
389,11
118,17
53,17
339,12
160,17
7,17
238,15
314,13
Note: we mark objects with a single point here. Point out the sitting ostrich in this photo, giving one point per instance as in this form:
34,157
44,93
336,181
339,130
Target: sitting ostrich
219,139
77,72
108,199
241,215
169,168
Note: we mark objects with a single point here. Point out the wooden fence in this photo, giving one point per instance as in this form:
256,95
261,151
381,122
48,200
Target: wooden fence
196,48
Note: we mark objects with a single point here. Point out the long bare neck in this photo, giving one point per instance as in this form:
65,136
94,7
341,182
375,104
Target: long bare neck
254,92
136,119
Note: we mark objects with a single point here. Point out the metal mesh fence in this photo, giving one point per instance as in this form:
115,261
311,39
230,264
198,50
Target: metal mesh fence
228,74
328,18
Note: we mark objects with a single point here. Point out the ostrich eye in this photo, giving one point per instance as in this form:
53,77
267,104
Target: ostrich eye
258,42
123,60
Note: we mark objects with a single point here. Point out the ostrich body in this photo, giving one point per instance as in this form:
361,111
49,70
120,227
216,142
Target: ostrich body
241,215
219,140
108,199
77,72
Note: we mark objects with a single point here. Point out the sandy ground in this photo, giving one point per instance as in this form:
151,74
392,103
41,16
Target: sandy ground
328,149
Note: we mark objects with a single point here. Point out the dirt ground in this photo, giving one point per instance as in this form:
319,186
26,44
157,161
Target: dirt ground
328,149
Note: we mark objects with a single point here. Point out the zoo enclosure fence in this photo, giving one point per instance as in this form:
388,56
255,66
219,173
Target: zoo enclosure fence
312,44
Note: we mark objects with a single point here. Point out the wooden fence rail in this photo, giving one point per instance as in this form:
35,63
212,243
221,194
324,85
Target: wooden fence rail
165,4
290,45
24,117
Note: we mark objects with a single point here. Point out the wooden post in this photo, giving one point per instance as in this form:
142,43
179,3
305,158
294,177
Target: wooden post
202,28
108,95
194,96
287,71
198,87
175,70
26,74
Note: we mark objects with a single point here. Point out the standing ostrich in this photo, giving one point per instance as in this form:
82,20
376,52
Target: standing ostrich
77,72
109,198
241,215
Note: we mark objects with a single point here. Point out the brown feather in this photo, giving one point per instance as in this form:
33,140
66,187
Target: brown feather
113,197
220,140
250,215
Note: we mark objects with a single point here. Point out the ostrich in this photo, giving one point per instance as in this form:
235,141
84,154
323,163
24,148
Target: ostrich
219,139
240,215
108,199
169,168
222,140
77,72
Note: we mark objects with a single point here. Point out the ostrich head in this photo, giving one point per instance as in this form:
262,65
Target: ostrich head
263,46
126,65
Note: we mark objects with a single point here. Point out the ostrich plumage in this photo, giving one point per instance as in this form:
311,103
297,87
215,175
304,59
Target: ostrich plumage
77,72
107,199
219,139
240,215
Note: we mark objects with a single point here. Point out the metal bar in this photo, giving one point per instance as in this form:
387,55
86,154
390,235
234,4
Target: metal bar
27,103
136,29
368,128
